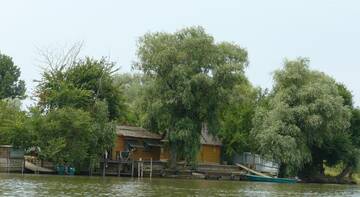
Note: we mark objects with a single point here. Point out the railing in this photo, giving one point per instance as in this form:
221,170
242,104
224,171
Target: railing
256,162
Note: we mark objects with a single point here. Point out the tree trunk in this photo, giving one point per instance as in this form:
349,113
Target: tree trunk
345,172
173,156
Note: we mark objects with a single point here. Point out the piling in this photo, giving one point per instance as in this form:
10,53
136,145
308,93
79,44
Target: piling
150,168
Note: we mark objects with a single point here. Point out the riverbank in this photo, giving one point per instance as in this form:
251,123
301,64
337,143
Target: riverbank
202,171
49,185
160,169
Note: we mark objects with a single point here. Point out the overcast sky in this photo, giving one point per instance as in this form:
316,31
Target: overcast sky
325,31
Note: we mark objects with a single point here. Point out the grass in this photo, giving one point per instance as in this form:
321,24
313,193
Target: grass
336,170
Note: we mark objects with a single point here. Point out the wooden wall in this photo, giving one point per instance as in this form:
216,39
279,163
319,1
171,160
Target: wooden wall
209,154
144,154
119,146
164,153
4,152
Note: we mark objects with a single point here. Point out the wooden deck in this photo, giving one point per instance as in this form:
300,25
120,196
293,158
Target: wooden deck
160,169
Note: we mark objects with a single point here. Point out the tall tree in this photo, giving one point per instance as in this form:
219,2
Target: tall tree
192,76
10,84
87,88
236,119
350,151
63,135
305,121
80,85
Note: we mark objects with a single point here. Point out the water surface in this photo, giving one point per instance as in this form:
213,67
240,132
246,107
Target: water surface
52,185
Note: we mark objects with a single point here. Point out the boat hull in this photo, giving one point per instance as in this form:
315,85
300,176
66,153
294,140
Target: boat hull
269,179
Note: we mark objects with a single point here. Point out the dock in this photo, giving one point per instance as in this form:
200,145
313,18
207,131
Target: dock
149,168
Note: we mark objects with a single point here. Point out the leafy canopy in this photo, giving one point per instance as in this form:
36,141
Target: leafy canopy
305,119
10,84
192,76
12,123
80,85
236,119
85,90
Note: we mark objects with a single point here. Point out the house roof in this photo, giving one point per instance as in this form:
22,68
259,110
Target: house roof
6,146
136,132
207,138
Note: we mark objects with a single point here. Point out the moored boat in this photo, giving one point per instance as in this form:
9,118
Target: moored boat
269,179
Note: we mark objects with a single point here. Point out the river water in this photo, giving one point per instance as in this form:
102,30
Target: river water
52,185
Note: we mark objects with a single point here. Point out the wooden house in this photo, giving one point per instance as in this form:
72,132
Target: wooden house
135,143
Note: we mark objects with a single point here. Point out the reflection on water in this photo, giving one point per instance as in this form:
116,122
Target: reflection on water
44,185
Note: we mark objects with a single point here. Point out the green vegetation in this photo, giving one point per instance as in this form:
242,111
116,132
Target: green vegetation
192,77
185,81
10,85
306,122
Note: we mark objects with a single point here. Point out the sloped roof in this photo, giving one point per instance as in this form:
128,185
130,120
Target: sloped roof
136,132
206,138
6,146
209,139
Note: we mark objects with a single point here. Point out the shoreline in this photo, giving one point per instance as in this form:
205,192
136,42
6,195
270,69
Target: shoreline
314,180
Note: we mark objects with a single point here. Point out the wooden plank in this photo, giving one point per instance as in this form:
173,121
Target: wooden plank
36,168
252,171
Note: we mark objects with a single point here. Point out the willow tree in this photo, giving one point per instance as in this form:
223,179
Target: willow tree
192,75
305,121
350,152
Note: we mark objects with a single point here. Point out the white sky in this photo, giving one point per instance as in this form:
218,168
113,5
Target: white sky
326,31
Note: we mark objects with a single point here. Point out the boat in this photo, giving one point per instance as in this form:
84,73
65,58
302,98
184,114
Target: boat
268,179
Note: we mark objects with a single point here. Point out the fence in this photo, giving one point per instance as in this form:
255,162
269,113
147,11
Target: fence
256,162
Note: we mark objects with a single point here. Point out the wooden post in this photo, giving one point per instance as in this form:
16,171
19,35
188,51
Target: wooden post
103,171
119,168
142,169
36,168
8,165
132,168
22,167
150,167
138,169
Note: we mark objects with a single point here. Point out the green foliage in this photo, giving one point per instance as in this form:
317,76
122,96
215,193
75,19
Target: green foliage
188,81
63,135
12,124
134,88
80,85
103,132
86,89
192,76
352,152
305,121
10,85
236,119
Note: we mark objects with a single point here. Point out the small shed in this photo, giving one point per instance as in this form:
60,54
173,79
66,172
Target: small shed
135,143
210,150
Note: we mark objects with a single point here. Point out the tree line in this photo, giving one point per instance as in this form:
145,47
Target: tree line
184,81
